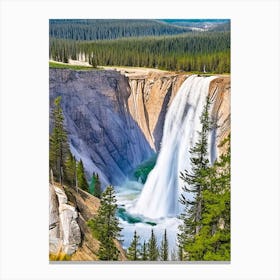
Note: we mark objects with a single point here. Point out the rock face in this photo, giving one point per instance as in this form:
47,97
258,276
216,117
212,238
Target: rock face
151,95
115,119
153,92
64,231
219,93
114,122
68,231
54,221
100,127
87,206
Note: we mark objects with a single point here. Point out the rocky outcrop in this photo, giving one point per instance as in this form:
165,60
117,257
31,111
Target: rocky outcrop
151,95
70,211
152,92
100,128
219,93
64,231
87,206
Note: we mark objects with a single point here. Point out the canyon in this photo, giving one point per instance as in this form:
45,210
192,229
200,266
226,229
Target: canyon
115,117
115,121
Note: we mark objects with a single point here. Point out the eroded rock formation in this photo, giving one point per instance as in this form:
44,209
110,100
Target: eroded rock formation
220,92
115,118
151,95
69,212
64,231
100,128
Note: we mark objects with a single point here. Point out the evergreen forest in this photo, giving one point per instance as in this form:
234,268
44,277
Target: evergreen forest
140,43
195,223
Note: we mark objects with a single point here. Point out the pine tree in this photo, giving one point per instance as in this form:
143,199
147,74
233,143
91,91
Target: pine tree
152,247
81,178
205,232
144,253
213,241
95,185
133,253
106,226
164,247
92,183
70,170
197,180
97,189
59,147
180,253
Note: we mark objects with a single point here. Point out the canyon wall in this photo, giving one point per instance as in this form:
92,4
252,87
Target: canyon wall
114,118
100,128
220,93
152,92
151,95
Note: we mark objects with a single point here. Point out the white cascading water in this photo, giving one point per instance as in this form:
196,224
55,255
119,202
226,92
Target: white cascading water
160,195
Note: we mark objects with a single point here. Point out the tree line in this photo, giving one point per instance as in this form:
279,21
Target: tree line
105,227
192,52
63,166
205,231
149,251
110,29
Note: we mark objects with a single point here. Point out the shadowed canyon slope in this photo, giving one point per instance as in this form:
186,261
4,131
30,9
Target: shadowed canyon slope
115,119
100,128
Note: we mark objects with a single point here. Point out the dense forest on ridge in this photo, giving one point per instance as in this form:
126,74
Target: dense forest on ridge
184,52
164,44
109,29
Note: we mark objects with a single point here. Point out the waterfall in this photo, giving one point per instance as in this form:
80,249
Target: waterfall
160,194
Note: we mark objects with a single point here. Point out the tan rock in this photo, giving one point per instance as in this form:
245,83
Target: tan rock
64,231
88,206
219,93
151,95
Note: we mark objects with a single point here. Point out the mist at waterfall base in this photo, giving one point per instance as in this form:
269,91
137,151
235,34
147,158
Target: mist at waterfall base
155,205
127,195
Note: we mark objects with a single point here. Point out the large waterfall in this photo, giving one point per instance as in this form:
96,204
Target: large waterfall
160,194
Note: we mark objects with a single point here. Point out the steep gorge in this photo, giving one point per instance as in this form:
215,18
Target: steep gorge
100,128
160,195
115,118
152,94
